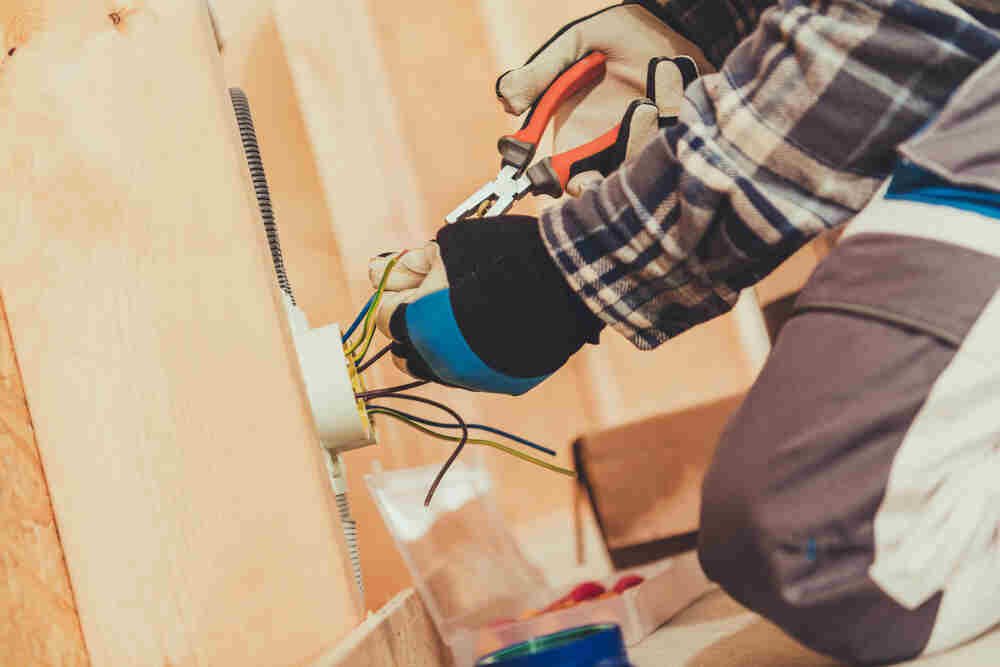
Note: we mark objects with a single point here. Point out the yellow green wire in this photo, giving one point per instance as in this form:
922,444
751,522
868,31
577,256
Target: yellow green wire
389,412
367,334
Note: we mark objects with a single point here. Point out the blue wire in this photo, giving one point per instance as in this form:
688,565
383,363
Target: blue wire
357,320
479,427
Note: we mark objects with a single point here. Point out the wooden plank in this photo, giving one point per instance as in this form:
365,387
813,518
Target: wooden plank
400,634
195,513
40,625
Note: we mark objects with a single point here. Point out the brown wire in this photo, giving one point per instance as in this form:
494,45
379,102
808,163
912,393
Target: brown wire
378,355
461,443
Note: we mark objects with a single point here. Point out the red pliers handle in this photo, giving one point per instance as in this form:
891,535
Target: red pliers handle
550,175
519,148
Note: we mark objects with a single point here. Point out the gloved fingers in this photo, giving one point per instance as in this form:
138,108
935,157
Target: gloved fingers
408,272
576,185
518,88
626,33
641,123
666,79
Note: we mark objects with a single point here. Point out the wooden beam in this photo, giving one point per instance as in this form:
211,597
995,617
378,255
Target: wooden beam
400,634
183,466
40,625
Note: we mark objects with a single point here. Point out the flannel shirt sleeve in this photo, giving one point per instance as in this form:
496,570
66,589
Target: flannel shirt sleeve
791,137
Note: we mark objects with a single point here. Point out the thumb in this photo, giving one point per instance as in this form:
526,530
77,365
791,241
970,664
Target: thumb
518,88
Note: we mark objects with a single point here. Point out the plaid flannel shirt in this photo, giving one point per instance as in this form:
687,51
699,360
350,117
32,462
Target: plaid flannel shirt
791,137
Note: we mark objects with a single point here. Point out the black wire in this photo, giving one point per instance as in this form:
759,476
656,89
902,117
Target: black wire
388,391
378,355
458,448
475,427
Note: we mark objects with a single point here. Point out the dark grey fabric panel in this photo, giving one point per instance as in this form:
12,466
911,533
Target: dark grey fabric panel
940,286
789,502
962,145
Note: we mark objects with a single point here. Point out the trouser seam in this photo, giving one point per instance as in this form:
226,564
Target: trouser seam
883,315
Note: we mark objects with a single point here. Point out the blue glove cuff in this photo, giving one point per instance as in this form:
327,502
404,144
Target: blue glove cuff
434,333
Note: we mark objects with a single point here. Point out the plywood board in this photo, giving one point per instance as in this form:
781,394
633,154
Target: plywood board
40,624
187,482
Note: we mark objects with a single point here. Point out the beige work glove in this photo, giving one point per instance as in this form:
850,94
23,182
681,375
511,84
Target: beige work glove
632,38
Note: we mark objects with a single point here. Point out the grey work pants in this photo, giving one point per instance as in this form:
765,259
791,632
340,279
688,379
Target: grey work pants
854,498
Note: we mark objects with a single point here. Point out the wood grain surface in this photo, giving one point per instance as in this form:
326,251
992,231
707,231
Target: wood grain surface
39,623
400,634
187,482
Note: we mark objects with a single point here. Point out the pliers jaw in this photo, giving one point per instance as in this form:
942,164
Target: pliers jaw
502,192
550,175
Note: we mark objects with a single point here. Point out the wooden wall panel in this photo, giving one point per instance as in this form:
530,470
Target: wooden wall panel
184,470
39,623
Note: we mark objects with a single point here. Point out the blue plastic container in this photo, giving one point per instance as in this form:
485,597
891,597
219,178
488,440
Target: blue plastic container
585,646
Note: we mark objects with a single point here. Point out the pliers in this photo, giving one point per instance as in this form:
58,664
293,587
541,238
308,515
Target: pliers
549,175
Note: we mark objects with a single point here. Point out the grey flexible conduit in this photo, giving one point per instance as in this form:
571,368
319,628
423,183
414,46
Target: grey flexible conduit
252,152
241,106
351,536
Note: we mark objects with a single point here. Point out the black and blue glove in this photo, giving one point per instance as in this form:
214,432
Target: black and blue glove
483,308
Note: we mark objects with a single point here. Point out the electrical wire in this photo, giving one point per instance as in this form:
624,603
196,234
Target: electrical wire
461,441
413,421
357,320
480,427
389,391
378,355
368,330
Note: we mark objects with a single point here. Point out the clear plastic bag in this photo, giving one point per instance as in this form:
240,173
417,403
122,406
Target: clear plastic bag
476,582
465,564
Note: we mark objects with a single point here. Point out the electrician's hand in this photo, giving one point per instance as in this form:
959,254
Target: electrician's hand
632,38
484,308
